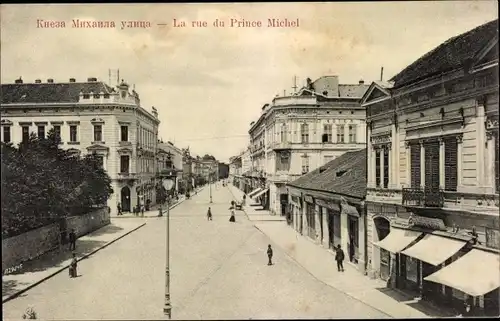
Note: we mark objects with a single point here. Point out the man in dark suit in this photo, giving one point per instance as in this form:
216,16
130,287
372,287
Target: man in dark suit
72,240
339,257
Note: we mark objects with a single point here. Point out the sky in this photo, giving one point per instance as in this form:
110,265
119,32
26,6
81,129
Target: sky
209,83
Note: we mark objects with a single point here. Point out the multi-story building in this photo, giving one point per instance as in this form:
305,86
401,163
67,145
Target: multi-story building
432,196
235,171
90,117
298,133
246,168
169,158
223,170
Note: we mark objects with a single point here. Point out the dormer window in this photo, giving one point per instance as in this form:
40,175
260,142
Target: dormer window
124,94
106,96
97,95
86,96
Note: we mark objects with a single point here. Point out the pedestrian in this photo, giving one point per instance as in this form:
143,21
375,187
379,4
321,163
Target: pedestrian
339,257
142,210
119,208
244,199
72,267
209,214
233,217
269,255
72,240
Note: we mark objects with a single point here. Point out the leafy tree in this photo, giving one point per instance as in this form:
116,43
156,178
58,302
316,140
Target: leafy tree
42,183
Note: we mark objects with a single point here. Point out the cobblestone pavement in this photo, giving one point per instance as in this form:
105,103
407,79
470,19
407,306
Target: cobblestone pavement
218,271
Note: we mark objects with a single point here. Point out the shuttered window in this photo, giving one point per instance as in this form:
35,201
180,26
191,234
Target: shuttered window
415,165
496,162
450,164
432,165
386,167
377,167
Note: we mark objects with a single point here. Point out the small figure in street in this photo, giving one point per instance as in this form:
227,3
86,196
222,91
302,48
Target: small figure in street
72,240
244,200
142,210
269,255
72,267
119,209
339,257
233,217
209,214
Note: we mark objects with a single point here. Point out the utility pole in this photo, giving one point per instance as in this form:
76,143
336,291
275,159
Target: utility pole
210,183
167,309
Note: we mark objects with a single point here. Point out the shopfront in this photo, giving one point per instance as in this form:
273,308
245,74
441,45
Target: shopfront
331,222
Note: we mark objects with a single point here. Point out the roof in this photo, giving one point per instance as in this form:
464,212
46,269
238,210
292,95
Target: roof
49,92
333,89
351,183
353,91
448,56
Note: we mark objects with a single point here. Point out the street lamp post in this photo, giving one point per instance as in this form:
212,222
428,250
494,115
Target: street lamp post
167,309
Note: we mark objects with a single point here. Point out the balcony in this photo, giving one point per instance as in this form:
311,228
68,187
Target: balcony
427,197
127,176
281,145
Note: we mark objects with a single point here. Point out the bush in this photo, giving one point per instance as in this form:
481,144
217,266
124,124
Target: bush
41,183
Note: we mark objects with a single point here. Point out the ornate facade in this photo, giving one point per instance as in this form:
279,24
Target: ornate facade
90,117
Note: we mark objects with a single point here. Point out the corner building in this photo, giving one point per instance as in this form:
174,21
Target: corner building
432,196
90,117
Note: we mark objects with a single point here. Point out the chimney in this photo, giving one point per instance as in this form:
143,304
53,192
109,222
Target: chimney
38,81
381,73
50,81
19,81
361,82
91,79
72,80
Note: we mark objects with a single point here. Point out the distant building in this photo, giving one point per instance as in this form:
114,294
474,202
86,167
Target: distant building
223,170
90,117
235,171
432,198
296,134
169,158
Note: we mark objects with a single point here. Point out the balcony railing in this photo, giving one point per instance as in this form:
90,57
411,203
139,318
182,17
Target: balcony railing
281,145
426,197
126,175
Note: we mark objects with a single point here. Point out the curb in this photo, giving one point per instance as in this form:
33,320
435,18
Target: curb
315,277
13,296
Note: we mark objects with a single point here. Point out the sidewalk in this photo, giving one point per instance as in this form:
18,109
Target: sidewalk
254,211
151,213
49,264
320,263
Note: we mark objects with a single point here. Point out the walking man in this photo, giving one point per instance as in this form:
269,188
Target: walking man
72,267
339,257
72,240
270,255
119,209
209,214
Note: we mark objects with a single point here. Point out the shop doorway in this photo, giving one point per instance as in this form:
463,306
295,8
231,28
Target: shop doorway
284,203
352,246
383,228
125,199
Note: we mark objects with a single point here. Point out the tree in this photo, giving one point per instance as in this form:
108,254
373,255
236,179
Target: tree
42,183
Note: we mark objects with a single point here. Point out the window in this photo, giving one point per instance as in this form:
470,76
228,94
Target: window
106,96
450,164
327,133
86,96
304,132
41,131
352,133
432,165
25,133
98,133
495,137
386,167
283,134
283,161
377,167
73,134
305,164
124,163
97,96
6,134
124,133
100,160
340,134
57,131
415,165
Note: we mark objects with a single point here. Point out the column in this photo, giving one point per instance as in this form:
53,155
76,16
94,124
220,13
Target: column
344,232
408,164
317,223
373,165
375,255
381,151
334,132
422,164
394,157
490,171
362,240
441,163
304,219
369,156
346,132
326,229
481,135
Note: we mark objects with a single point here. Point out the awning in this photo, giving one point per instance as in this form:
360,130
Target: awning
398,239
434,249
260,193
476,273
254,191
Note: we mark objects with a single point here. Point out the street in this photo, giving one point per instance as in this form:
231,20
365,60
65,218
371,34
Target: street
218,271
